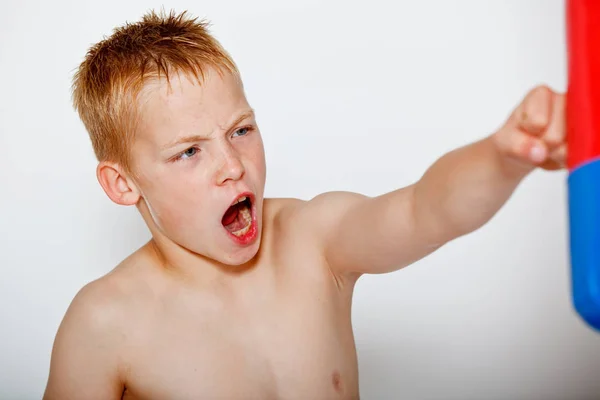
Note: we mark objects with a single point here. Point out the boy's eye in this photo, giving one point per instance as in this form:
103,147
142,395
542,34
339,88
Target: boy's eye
189,153
241,132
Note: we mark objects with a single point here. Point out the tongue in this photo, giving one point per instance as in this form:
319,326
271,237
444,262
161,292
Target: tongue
234,220
231,215
237,224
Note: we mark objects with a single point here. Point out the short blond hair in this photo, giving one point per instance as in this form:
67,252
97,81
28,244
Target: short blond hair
107,83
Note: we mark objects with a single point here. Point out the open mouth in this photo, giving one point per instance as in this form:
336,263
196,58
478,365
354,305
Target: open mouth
238,218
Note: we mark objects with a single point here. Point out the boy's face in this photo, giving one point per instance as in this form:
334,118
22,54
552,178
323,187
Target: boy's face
198,150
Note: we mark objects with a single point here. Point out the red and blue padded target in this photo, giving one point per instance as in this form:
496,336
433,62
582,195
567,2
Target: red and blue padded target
583,159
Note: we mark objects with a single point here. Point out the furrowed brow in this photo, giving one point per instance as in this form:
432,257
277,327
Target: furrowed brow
243,116
183,140
200,138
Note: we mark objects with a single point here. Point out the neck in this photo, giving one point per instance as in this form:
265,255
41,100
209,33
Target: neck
184,264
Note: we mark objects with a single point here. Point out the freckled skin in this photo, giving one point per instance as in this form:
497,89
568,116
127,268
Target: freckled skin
192,314
279,330
195,315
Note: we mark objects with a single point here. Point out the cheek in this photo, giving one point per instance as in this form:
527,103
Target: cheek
176,199
255,154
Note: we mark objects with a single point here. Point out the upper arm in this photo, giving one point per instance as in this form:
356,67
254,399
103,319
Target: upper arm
361,234
84,356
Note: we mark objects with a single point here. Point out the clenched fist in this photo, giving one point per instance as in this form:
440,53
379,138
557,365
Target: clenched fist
535,133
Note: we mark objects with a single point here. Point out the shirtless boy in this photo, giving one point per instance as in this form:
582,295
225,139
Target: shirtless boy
237,296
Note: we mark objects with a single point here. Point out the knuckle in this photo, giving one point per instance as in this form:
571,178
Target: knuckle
553,139
537,119
542,90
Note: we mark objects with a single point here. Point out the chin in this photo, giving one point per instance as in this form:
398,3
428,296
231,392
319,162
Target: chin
241,256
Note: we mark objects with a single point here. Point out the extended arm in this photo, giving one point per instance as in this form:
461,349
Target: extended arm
456,195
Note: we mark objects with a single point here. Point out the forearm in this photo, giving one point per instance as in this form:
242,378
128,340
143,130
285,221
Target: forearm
464,189
459,193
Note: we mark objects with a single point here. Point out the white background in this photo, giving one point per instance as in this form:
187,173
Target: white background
359,96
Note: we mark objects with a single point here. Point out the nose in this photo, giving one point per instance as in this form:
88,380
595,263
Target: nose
230,168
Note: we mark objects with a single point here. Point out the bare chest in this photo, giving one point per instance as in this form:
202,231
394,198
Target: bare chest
298,347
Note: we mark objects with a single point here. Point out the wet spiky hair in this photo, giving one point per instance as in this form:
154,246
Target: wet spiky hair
108,81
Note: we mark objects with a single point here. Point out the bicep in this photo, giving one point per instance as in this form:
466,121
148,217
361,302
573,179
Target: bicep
374,234
83,361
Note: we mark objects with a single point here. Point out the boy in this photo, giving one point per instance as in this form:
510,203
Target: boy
237,296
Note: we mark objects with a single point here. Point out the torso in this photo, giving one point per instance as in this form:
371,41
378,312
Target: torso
284,332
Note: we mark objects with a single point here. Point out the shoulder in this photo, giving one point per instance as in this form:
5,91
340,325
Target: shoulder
314,220
318,212
97,304
85,358
105,304
100,311
94,316
331,204
310,225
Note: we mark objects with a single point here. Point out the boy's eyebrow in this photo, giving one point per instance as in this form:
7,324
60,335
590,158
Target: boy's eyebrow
199,138
246,114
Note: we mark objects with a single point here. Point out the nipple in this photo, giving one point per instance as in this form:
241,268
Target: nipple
336,380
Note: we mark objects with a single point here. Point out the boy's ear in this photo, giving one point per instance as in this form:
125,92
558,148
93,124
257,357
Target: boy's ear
116,184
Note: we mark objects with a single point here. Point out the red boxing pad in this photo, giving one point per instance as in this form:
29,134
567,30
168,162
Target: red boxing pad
583,93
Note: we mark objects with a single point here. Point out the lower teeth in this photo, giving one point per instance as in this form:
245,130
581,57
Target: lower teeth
247,216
